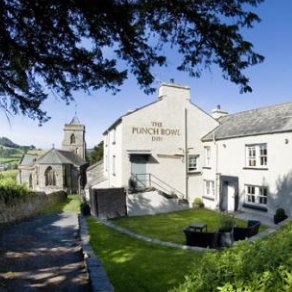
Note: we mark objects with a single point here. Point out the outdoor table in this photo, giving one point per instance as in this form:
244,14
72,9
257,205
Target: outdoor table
198,226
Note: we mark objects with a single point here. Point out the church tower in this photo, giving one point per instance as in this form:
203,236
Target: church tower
74,137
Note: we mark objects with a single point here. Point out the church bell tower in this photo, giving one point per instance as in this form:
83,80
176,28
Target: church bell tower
74,137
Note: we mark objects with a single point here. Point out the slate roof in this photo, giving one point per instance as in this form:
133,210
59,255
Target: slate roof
266,120
75,120
28,159
55,156
95,174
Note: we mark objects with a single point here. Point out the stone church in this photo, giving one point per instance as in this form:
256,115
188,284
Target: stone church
58,169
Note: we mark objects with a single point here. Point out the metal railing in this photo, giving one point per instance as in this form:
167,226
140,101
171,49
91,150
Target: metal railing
148,180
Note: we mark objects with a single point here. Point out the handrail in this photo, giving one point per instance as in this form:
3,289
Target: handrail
162,185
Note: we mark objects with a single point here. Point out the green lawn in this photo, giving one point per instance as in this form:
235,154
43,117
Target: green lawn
169,226
134,265
72,204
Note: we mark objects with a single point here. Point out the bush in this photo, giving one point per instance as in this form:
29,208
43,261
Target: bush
198,203
262,265
280,212
10,191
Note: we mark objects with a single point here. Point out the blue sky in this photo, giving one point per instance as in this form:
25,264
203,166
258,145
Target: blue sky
271,82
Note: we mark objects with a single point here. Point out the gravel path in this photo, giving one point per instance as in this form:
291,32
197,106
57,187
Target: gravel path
42,254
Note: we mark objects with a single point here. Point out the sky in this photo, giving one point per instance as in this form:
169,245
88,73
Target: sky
271,82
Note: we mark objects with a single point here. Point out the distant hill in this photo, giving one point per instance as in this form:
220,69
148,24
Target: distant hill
11,153
6,142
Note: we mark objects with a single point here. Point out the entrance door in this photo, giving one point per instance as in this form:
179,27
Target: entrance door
229,194
138,170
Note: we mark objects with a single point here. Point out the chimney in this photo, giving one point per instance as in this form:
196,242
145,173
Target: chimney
174,91
218,112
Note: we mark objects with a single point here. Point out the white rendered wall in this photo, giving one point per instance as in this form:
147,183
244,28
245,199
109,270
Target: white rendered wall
278,176
160,129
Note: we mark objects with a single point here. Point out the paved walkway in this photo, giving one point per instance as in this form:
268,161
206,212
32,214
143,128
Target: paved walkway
42,254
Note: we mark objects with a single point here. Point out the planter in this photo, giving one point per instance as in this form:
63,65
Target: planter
85,209
226,239
279,218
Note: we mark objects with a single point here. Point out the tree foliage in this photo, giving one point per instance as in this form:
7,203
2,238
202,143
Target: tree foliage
96,154
61,46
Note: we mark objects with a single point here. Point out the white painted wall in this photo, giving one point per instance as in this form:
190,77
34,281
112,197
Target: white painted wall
231,161
160,129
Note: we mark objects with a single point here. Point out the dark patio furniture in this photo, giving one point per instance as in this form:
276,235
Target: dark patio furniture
201,239
198,226
241,233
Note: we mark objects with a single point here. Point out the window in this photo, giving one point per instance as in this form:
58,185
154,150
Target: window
207,156
72,139
209,188
113,136
193,163
256,195
114,165
50,177
257,155
106,163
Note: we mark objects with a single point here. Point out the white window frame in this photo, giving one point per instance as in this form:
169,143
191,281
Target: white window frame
256,155
193,162
114,165
114,136
207,150
209,188
256,195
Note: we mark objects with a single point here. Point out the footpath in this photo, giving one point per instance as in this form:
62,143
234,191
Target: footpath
42,254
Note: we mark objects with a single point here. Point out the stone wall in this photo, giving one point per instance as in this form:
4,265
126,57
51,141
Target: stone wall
28,205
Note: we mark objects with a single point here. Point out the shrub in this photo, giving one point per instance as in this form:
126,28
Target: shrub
280,212
226,222
10,191
261,265
198,203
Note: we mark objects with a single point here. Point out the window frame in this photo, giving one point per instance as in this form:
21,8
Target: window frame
256,155
259,197
193,163
209,185
207,152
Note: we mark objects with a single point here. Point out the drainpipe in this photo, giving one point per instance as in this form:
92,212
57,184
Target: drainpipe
186,155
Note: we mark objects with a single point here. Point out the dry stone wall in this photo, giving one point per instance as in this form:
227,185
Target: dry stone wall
29,205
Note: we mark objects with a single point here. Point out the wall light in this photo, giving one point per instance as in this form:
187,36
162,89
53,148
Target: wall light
286,141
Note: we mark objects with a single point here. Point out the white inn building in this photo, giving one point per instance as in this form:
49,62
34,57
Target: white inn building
238,161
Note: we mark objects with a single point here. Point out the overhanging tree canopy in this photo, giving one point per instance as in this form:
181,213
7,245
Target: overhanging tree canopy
60,46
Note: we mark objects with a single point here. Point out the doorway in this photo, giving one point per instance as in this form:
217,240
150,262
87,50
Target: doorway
229,193
139,169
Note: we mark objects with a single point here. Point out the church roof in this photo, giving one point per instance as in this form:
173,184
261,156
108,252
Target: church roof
75,120
28,159
55,156
266,120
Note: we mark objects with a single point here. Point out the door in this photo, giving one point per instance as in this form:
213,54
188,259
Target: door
139,170
228,194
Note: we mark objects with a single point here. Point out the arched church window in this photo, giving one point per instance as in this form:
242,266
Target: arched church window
50,176
72,139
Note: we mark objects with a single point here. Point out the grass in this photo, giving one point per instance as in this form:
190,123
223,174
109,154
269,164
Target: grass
133,265
9,174
169,226
72,204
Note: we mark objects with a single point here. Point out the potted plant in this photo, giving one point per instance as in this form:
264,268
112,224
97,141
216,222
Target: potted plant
226,224
84,208
132,185
280,215
198,203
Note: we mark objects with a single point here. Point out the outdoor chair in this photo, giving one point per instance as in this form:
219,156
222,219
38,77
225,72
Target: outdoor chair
241,233
201,239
